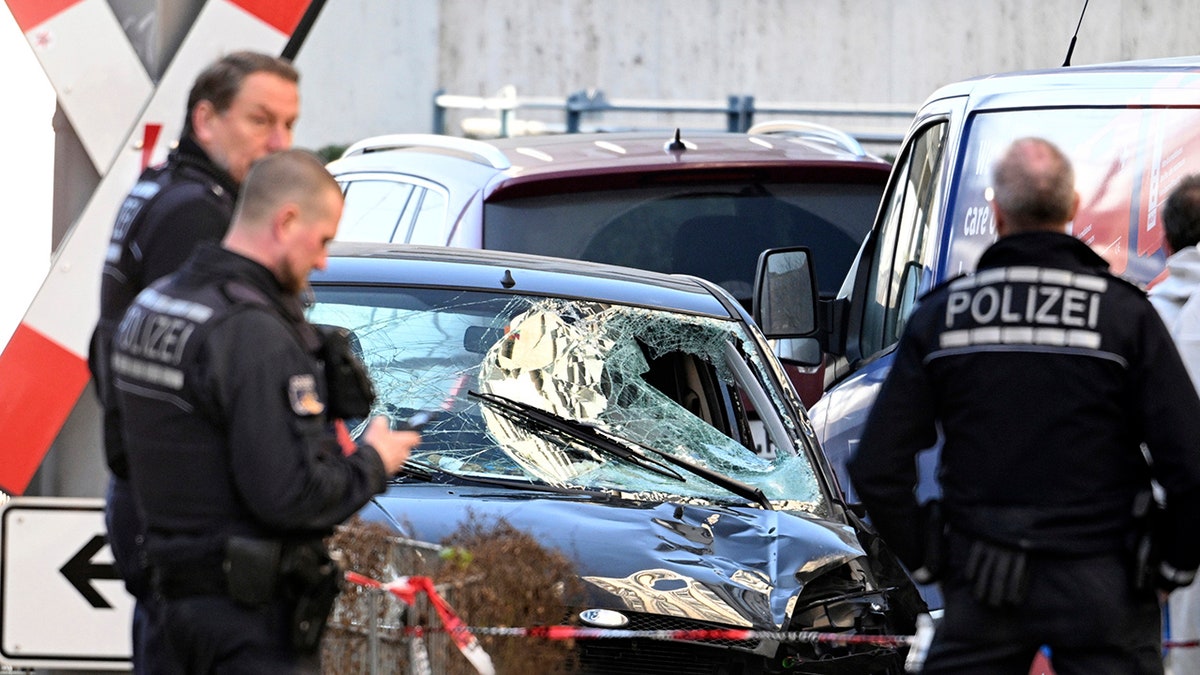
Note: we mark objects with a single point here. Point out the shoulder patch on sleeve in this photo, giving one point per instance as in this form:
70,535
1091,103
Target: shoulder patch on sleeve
302,394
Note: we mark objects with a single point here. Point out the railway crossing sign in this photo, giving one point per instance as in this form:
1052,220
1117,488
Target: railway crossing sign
72,38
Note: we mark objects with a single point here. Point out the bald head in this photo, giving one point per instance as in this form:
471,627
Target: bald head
289,176
287,213
1033,187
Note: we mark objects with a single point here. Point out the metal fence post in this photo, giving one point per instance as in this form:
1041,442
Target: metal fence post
733,114
506,118
747,116
574,103
373,631
439,113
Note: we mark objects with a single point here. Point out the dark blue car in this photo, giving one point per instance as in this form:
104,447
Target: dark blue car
638,424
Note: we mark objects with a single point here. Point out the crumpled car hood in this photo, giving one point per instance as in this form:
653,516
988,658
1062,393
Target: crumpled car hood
738,566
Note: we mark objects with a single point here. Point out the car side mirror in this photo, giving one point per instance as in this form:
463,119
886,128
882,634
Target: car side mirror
785,303
785,293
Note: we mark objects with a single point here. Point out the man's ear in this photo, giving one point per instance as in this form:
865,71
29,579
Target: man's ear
202,116
1074,208
998,218
284,220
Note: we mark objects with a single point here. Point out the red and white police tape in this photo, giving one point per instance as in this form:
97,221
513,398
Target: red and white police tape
407,588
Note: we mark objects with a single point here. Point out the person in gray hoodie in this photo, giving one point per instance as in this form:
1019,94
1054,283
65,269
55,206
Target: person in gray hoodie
1177,299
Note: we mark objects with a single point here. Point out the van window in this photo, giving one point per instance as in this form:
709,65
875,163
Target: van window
901,253
1126,162
715,232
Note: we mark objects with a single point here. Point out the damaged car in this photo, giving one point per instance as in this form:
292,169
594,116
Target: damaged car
637,423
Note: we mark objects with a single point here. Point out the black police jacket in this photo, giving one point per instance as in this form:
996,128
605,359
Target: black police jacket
1044,374
222,404
172,208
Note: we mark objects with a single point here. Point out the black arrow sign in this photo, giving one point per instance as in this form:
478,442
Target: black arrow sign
81,571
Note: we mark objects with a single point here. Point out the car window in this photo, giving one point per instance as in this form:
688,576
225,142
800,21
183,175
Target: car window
1126,161
682,384
900,255
393,209
429,226
374,210
714,231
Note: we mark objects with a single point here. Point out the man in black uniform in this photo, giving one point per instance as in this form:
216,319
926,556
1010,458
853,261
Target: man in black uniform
240,108
1044,375
224,403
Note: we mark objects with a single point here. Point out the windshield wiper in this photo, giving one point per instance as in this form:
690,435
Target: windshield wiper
607,440
416,470
717,478
430,474
577,430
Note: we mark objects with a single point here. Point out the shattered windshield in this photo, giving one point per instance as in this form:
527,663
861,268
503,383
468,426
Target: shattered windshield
650,380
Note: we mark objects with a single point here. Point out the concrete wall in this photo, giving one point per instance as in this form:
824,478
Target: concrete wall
810,50
368,67
372,67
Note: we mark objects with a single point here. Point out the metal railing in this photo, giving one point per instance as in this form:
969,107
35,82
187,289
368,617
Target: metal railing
579,109
369,631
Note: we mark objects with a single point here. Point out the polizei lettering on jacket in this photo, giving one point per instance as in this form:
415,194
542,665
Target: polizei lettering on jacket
152,337
1024,306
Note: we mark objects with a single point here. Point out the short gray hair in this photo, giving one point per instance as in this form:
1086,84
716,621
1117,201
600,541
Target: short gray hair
1033,185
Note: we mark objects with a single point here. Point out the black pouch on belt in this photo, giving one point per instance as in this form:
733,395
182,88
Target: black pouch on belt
252,569
999,575
1150,522
315,580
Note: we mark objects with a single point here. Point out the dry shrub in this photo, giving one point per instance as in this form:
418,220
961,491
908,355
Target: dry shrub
371,549
490,572
511,580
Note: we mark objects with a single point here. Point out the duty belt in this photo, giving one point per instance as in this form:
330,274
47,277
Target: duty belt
190,578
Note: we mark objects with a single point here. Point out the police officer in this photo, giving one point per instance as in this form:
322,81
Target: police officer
223,402
1044,374
240,108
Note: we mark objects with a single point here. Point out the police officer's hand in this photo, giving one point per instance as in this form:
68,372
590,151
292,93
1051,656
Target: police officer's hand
393,446
1168,578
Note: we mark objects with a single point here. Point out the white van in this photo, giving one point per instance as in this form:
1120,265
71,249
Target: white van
1132,131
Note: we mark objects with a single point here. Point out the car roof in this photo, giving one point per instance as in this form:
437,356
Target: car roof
541,154
567,162
384,264
1165,80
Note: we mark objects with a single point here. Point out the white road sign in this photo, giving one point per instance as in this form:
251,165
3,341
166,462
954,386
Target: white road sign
61,603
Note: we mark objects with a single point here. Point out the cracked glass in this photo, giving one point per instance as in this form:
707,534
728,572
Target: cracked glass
648,380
